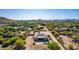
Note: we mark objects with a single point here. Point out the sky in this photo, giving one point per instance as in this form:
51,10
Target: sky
29,14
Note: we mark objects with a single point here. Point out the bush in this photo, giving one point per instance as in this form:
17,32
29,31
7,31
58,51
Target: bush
66,33
56,34
12,40
70,46
24,42
9,41
53,46
19,44
22,37
6,43
75,36
10,34
1,39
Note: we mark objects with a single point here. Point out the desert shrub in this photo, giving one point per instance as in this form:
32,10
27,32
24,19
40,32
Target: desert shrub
70,47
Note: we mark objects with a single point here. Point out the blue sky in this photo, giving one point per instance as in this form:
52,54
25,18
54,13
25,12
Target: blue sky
28,14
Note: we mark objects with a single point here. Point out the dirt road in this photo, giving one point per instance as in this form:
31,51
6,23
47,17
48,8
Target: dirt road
54,39
29,42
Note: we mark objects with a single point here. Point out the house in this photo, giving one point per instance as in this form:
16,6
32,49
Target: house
23,28
19,27
64,29
40,38
28,28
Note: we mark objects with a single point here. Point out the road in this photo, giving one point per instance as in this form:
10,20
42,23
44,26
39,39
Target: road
54,39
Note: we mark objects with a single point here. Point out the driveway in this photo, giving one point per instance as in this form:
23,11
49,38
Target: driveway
29,42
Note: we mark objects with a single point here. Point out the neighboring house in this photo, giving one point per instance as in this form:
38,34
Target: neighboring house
19,27
64,29
28,28
40,39
22,27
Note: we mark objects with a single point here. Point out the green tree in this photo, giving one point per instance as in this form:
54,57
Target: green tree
9,41
6,43
19,44
22,37
12,40
53,46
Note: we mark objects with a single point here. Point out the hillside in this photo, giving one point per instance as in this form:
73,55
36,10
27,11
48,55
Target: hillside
4,20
